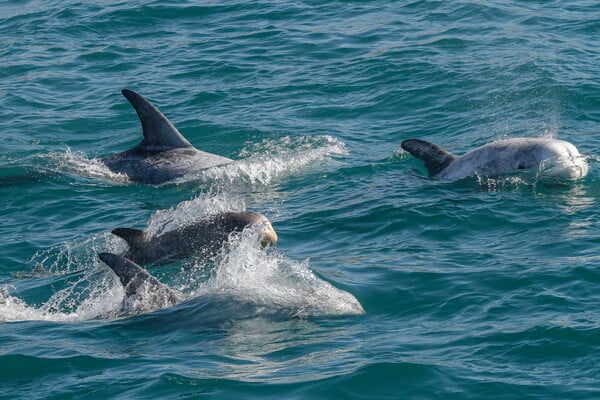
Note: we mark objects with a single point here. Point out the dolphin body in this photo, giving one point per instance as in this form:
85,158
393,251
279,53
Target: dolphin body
548,157
143,292
164,154
203,238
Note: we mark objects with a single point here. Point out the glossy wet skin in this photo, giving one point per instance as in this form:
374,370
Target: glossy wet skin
546,157
163,154
511,155
202,239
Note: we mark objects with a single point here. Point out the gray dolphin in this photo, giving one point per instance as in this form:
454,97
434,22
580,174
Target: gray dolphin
142,291
203,238
163,154
548,157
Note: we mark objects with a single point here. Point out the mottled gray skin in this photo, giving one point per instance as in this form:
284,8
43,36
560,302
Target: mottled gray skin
142,290
164,154
549,157
202,239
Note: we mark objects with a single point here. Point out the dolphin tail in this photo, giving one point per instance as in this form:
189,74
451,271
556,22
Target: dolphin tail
435,158
131,275
159,133
133,237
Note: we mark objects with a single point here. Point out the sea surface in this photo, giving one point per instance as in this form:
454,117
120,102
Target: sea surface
384,283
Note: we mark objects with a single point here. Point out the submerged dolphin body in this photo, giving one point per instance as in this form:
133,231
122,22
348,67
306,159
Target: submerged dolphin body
548,157
163,154
203,238
143,292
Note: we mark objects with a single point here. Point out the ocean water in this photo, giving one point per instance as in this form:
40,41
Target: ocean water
486,287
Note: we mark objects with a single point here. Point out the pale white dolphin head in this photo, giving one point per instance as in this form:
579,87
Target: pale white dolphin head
565,162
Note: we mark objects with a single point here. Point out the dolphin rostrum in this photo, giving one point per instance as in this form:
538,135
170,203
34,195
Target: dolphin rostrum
550,158
202,238
163,154
143,292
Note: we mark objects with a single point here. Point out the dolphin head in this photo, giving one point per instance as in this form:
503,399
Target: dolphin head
241,219
561,160
267,234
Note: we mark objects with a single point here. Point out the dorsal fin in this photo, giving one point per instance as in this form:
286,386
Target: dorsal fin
131,275
435,158
133,237
159,133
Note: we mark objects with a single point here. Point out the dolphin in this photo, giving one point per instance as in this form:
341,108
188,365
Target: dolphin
550,158
163,154
203,238
143,292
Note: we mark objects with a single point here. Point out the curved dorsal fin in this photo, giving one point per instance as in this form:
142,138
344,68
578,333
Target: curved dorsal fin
435,157
133,237
131,275
159,133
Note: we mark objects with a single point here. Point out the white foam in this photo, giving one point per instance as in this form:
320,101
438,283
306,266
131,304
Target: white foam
244,272
86,299
78,163
272,280
260,164
194,210
15,309
95,293
248,272
268,162
498,184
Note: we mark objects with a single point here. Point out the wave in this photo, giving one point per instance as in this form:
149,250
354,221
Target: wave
254,282
260,165
190,211
273,280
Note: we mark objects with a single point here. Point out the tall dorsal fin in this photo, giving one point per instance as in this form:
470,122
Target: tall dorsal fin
133,237
131,275
435,158
159,133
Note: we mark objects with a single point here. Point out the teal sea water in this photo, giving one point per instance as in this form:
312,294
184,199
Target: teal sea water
486,287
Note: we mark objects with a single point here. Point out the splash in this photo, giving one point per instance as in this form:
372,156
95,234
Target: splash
191,211
244,273
70,257
273,281
78,164
270,161
260,165
94,295
499,184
